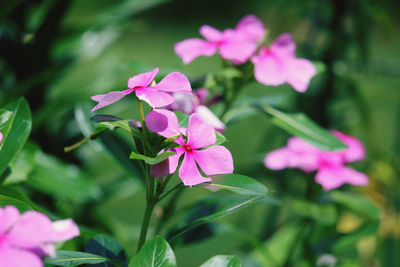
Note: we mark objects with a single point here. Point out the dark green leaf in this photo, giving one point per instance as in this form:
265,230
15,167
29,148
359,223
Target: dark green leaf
15,130
348,241
227,209
74,258
300,125
237,183
107,247
223,261
163,156
19,204
156,252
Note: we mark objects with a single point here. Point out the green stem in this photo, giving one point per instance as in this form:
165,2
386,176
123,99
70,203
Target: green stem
145,224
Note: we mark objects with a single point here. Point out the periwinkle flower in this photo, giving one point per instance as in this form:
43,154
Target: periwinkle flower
197,149
158,95
277,64
330,165
237,44
25,239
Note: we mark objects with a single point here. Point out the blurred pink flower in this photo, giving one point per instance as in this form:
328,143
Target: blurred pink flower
197,149
1,136
26,238
330,165
195,103
237,44
157,95
278,64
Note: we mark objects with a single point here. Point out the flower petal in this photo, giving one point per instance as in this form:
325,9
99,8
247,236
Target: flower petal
214,160
143,79
63,230
174,82
199,133
210,33
206,114
268,70
162,122
8,217
19,258
278,159
284,46
189,173
192,48
107,99
330,178
355,150
167,166
299,73
154,98
251,27
238,50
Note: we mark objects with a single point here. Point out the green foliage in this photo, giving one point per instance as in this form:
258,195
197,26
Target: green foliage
156,252
74,258
222,261
151,161
237,183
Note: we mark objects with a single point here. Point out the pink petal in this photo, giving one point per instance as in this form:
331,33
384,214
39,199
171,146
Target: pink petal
189,173
199,133
210,33
12,257
299,73
330,178
299,145
251,27
63,230
32,229
8,217
206,114
174,82
184,102
201,94
1,136
168,166
237,50
162,122
354,177
284,46
268,70
154,98
278,159
214,160
143,79
107,99
355,150
190,49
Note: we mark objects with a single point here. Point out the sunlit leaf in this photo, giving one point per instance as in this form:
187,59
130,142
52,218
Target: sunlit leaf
222,261
159,158
74,258
156,252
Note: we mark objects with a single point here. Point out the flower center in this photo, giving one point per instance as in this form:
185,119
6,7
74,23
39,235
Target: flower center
187,148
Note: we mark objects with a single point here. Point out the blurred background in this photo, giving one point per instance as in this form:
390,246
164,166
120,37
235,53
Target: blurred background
58,53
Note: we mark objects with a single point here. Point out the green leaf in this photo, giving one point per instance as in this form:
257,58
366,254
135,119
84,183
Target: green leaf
163,156
108,247
322,213
74,258
182,118
300,125
357,202
227,209
156,252
19,204
348,241
22,165
15,130
237,183
220,138
61,180
223,261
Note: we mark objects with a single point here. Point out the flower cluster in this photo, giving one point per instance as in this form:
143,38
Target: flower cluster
26,238
197,149
273,65
330,165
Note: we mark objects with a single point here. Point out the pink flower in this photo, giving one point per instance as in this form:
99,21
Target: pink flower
330,165
278,64
197,148
155,95
195,103
1,136
26,238
237,44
